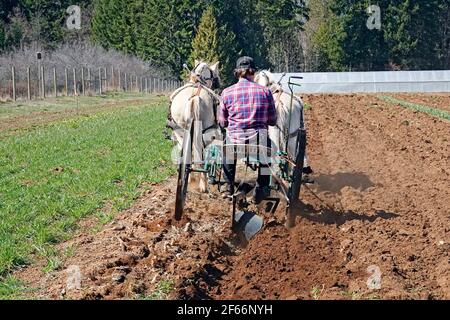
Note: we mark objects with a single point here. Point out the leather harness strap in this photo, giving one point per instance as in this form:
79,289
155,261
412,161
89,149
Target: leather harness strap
197,92
279,92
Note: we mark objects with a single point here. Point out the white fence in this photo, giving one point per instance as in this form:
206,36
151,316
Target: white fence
371,82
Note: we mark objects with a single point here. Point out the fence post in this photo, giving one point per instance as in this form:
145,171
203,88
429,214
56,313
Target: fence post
66,82
100,80
125,87
146,85
43,82
74,82
13,79
120,81
113,88
28,84
83,89
39,93
55,89
89,80
106,79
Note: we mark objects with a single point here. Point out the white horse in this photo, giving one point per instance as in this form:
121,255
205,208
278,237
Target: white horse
282,103
196,103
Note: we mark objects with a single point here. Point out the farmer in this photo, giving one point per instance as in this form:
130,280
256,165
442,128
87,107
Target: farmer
247,110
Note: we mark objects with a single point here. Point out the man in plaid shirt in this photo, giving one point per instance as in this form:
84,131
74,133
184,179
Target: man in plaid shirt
246,109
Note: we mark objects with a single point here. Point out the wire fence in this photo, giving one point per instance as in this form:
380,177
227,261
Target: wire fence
39,82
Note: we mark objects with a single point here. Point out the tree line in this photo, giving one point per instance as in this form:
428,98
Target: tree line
413,35
285,35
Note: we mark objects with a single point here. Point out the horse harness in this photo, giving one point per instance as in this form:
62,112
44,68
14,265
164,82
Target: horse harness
278,92
171,124
215,80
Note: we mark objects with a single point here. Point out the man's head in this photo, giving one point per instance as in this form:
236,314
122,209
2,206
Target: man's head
245,68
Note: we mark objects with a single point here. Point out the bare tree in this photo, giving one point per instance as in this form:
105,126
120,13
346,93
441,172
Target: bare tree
70,56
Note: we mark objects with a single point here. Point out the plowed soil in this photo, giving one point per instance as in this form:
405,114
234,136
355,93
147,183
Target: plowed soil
379,209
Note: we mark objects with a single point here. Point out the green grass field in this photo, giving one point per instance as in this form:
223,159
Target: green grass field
60,104
418,107
54,175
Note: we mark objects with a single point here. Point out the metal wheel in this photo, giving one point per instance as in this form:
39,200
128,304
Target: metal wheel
184,169
296,177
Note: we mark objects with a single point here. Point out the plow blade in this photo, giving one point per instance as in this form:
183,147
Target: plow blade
247,224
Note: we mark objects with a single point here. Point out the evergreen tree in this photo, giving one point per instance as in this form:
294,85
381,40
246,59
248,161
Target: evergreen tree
411,31
6,7
363,48
408,39
415,34
2,37
327,49
250,33
282,21
47,19
115,24
323,34
213,43
167,29
205,45
444,46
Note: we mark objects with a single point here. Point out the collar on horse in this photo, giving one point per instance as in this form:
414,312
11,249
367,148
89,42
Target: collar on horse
199,86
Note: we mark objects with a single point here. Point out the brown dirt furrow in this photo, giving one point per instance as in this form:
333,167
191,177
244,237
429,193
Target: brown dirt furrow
382,177
140,250
379,210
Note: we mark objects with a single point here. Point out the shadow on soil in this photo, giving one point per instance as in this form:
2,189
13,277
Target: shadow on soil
336,182
329,216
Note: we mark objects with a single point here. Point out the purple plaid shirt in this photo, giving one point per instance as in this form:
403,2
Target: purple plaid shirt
247,105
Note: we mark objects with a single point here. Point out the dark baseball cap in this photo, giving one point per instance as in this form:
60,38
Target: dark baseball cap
245,63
